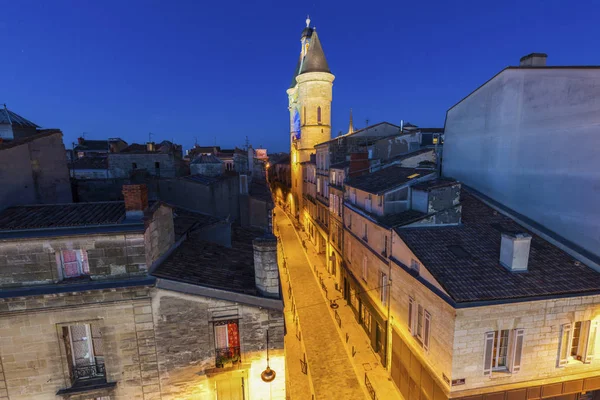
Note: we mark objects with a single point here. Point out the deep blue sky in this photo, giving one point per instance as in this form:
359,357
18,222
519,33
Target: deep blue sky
185,69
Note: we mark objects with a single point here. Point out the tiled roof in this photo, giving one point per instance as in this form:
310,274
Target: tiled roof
207,264
206,159
411,154
392,220
386,179
9,117
185,220
434,184
92,145
62,215
89,163
479,276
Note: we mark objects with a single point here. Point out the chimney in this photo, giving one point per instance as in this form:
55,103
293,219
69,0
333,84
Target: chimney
514,251
80,140
150,146
136,200
359,164
266,272
534,60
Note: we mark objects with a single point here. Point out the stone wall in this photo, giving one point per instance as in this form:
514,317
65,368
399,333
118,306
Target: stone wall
186,345
35,172
160,233
34,261
121,164
541,321
33,354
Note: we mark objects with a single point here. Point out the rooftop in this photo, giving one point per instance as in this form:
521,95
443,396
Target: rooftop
259,190
95,145
135,148
465,259
62,215
387,179
198,262
405,156
205,179
185,220
206,159
9,117
434,184
399,219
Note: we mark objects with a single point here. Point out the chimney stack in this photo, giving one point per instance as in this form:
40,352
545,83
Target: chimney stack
150,146
514,251
266,272
534,60
359,164
136,200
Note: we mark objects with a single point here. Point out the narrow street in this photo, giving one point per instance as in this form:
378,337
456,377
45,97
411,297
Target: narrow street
329,368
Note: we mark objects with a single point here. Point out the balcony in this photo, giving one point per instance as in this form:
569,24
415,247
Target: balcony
90,379
226,356
86,373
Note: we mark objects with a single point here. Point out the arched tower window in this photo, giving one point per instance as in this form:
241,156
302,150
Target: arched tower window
319,115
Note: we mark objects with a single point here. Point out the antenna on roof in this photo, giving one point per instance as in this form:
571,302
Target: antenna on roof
195,140
149,136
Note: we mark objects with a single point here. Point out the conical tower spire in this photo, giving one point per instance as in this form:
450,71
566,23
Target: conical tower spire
351,127
315,60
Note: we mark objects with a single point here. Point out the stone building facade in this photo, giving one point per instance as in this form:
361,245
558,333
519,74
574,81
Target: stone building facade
33,170
163,159
81,316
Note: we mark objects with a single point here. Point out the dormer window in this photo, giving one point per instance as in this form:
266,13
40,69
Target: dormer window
73,263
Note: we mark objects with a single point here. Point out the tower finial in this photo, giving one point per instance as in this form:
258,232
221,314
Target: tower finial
308,21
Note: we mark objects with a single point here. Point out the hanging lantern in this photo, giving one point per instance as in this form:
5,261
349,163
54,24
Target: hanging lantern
268,375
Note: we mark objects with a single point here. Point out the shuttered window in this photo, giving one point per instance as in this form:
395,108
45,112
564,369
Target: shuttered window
73,263
518,350
563,345
426,331
488,353
411,306
364,268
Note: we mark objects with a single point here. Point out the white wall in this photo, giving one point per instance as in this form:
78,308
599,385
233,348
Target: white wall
529,139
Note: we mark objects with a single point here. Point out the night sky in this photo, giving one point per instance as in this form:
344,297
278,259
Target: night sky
219,70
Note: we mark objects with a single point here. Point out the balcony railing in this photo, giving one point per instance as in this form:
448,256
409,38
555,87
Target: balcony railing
227,355
85,373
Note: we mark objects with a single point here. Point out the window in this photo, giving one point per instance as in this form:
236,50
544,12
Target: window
350,221
385,246
227,342
366,233
133,165
157,165
411,308
503,350
414,265
353,299
368,204
419,331
73,263
365,318
319,115
426,330
383,288
364,268
380,200
84,351
577,342
349,251
353,197
419,323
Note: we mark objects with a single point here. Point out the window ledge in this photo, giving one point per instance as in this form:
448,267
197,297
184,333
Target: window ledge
103,386
500,374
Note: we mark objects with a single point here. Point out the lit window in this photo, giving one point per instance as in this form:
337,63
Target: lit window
73,263
577,342
85,353
383,288
413,176
503,350
227,342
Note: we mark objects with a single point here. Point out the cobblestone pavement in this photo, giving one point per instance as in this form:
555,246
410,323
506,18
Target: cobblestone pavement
330,369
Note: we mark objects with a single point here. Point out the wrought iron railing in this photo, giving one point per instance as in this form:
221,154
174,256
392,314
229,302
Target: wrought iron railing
84,372
370,388
227,355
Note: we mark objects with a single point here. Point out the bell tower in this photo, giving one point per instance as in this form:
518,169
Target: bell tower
309,96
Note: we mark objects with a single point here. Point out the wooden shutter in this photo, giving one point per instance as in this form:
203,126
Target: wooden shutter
70,263
67,340
563,345
426,330
411,306
487,353
517,350
85,266
591,342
